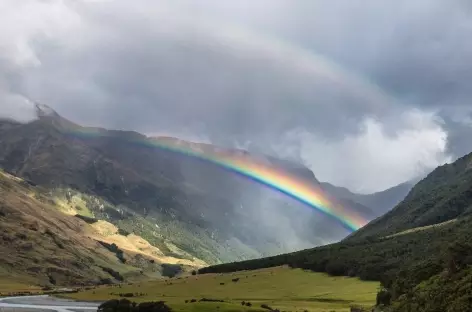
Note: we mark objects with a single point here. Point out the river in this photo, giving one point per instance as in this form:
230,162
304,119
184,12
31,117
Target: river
44,303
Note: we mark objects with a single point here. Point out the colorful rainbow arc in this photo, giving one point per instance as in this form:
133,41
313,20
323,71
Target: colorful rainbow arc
262,173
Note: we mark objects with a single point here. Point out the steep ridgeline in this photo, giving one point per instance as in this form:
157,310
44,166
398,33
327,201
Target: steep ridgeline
380,202
445,195
421,250
184,207
42,245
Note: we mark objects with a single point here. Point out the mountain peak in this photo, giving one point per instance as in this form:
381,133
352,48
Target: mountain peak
47,115
43,110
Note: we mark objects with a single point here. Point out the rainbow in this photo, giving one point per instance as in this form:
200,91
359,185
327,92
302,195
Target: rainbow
244,165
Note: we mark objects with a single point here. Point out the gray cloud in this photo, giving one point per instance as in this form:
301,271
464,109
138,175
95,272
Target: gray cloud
360,91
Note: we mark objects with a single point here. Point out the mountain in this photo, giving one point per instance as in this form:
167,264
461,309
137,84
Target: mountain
42,243
380,202
443,196
186,208
421,250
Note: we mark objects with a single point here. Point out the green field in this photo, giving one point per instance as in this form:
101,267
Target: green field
280,288
8,286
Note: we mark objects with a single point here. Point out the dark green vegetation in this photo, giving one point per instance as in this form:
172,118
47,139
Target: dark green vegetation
114,249
125,305
421,251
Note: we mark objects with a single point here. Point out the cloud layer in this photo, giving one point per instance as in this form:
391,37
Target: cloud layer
366,93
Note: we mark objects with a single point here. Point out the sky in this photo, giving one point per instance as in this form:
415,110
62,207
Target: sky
367,94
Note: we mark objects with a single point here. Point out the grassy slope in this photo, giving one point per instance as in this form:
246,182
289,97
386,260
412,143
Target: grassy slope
42,245
445,194
282,288
421,246
39,244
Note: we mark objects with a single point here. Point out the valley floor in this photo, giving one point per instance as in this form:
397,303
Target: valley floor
280,288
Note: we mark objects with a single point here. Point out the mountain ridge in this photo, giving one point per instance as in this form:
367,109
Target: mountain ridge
420,251
172,201
43,244
379,202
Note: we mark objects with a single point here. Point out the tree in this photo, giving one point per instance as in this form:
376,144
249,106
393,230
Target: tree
458,256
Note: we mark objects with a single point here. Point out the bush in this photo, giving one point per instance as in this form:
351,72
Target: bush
115,249
384,297
170,270
124,305
89,220
358,309
123,232
127,295
211,300
105,281
113,273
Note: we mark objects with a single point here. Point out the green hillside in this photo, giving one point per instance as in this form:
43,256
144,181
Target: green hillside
426,268
443,195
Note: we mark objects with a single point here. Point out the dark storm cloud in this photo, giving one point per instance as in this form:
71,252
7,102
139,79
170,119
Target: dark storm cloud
228,85
418,51
251,73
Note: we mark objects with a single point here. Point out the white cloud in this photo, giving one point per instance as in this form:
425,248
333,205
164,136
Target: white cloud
375,160
24,21
22,24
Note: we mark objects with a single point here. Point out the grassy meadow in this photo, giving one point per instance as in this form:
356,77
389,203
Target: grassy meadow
8,286
280,288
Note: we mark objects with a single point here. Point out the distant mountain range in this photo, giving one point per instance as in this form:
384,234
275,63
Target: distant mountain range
379,203
191,212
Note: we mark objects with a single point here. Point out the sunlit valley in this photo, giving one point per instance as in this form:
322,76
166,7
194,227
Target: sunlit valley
266,155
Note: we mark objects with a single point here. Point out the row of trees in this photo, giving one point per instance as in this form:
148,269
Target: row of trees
400,263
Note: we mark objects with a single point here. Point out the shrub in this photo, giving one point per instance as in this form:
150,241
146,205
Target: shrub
123,232
113,273
124,305
89,220
127,295
358,309
211,300
115,249
170,270
384,297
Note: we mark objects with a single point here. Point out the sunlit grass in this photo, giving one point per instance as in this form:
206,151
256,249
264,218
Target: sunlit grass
282,288
7,286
